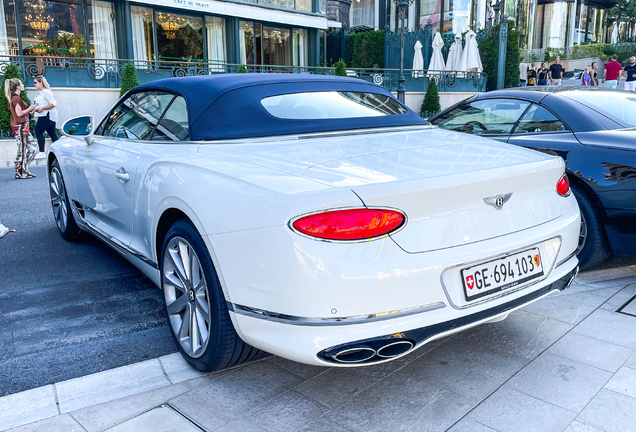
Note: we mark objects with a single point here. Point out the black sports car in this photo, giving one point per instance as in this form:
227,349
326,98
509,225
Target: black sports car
592,129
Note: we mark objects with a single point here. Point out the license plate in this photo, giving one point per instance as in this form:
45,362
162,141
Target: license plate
501,274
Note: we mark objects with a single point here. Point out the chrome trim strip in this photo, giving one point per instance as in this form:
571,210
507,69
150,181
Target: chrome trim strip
290,223
313,135
316,322
566,259
111,241
504,292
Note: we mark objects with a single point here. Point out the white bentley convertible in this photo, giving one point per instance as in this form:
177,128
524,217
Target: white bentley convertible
312,217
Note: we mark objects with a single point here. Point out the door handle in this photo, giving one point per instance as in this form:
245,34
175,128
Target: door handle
122,175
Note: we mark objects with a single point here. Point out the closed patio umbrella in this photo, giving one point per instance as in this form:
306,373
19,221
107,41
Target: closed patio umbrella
437,59
418,61
455,54
471,61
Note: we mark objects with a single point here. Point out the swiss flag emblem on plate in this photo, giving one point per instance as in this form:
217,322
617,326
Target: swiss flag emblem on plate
470,281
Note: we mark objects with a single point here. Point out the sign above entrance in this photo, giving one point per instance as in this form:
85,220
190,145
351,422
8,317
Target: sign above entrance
244,11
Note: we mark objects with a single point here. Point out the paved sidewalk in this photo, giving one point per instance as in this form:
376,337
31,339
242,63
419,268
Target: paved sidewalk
566,363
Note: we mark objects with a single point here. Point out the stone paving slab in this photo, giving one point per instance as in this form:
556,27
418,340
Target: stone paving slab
110,385
565,363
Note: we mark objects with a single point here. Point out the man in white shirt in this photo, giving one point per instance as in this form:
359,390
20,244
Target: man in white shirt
523,72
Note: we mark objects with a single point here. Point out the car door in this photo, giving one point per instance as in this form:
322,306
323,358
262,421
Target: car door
492,118
541,129
106,168
170,140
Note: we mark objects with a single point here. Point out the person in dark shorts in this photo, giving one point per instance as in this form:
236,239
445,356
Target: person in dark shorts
532,75
594,74
630,72
556,72
542,75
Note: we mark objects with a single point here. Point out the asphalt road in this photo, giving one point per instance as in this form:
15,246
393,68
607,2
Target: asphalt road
67,309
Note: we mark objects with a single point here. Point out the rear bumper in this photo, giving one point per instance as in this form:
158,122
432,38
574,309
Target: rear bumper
318,345
420,336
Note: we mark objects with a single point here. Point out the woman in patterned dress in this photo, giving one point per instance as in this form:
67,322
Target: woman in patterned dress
20,126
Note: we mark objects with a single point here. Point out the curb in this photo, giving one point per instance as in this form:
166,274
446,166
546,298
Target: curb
59,398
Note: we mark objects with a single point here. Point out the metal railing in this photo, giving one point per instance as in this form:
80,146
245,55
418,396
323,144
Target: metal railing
106,73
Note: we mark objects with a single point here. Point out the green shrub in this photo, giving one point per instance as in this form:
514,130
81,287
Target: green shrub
340,69
11,71
365,49
489,50
241,69
129,79
430,104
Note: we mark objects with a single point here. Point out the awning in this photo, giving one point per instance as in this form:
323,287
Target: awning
244,11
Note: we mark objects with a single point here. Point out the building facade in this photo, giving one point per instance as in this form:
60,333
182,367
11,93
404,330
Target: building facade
543,23
256,32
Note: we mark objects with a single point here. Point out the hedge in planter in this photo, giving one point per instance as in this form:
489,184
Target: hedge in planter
340,69
11,71
129,79
365,49
430,104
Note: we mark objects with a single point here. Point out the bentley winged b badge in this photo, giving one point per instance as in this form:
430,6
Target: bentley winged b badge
498,201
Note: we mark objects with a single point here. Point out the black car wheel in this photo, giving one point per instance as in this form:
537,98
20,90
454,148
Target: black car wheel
593,246
61,205
195,305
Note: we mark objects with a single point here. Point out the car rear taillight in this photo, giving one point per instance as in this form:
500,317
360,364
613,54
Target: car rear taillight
563,186
350,224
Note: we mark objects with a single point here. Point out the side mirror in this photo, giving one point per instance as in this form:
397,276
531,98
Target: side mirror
80,126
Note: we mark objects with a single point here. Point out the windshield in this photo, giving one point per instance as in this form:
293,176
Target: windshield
618,105
331,105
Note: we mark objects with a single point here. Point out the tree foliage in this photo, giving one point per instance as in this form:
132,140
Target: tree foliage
489,50
129,78
625,11
340,69
430,103
241,69
11,71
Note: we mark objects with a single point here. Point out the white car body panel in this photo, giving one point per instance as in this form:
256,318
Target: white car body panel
97,187
241,195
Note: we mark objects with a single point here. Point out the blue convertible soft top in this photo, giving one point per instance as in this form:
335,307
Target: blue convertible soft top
229,106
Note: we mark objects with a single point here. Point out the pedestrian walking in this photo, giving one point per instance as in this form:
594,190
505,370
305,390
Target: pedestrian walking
586,79
46,112
612,73
594,74
523,72
556,72
630,73
20,114
542,74
532,75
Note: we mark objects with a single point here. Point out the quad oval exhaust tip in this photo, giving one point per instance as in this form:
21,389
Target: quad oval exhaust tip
355,354
395,349
378,349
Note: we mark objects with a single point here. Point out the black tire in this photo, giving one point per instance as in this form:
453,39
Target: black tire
223,348
593,245
61,205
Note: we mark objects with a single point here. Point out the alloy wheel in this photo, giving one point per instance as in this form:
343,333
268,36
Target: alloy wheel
186,295
582,235
58,199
